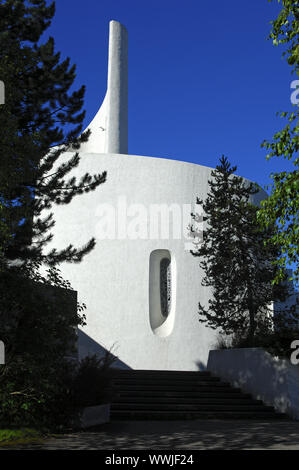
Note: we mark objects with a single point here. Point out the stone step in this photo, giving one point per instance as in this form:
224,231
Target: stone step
166,381
192,415
186,400
176,395
203,393
168,378
191,407
179,388
158,373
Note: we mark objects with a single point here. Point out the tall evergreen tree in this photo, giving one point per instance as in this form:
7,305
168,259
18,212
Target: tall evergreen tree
41,119
237,263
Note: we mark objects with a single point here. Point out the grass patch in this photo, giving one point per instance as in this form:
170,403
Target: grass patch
19,436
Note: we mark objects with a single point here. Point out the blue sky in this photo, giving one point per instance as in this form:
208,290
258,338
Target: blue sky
203,78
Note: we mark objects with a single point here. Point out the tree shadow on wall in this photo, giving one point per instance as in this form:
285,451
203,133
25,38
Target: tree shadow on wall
88,347
201,366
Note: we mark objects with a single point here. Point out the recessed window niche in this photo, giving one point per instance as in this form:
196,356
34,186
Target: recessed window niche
161,292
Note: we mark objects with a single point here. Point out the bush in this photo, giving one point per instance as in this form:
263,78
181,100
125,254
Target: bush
38,325
21,436
277,340
51,400
92,383
34,397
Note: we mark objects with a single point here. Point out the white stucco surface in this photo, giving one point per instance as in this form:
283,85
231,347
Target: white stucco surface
109,127
113,280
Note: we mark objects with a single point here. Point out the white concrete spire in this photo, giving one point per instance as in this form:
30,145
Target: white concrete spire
109,127
117,86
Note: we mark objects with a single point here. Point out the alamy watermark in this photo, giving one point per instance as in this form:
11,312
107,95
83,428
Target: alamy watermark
138,221
295,354
2,92
2,353
295,94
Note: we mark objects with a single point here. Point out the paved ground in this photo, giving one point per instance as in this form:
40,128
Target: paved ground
201,435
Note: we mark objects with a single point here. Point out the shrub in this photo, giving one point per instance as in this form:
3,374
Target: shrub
92,383
38,321
276,340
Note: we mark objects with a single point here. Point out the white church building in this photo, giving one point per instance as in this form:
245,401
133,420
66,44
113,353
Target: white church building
140,284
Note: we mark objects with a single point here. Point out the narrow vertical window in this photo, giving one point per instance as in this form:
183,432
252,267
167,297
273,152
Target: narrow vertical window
165,286
161,292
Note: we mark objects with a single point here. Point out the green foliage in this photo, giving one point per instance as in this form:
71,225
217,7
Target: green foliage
276,337
41,384
285,30
281,209
237,263
38,327
41,119
20,436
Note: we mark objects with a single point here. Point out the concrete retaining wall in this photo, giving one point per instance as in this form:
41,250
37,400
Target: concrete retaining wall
273,380
94,415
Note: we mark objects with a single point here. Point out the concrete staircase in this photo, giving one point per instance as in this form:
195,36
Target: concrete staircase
177,395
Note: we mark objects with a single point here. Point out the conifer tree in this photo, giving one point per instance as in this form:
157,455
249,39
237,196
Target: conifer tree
237,263
41,119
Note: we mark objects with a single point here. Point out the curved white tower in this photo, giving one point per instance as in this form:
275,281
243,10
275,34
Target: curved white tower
109,128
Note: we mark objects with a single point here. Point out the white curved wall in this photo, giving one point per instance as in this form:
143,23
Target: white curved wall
113,280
